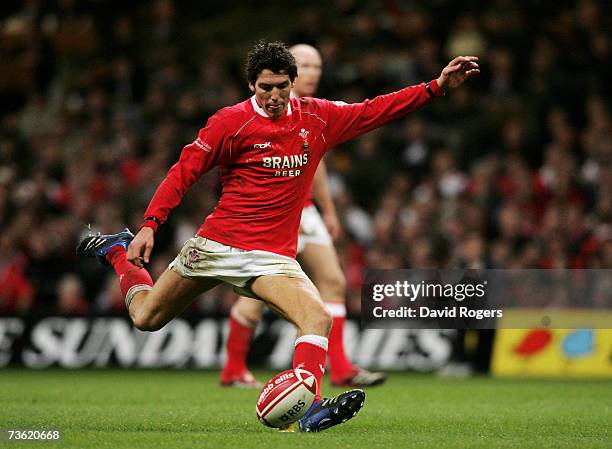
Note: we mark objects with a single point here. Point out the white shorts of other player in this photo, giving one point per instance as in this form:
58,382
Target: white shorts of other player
312,229
202,257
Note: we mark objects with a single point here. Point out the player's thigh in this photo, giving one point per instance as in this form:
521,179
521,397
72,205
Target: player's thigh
296,299
323,267
172,293
248,308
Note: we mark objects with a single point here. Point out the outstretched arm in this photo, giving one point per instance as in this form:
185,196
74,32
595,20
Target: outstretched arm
346,121
322,195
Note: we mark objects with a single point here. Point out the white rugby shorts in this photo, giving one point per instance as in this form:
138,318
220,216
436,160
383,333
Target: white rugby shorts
312,229
204,258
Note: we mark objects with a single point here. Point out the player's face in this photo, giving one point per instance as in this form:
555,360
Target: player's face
272,92
309,66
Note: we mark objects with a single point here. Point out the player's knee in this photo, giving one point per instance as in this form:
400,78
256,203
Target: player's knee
148,321
320,321
326,321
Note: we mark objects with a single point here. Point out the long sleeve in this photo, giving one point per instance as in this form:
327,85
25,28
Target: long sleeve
346,121
196,159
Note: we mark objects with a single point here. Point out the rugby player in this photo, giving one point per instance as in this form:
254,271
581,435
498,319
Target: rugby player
268,148
318,257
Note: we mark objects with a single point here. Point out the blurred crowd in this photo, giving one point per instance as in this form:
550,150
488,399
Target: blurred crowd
512,171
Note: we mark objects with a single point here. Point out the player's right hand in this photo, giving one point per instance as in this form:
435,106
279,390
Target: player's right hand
139,251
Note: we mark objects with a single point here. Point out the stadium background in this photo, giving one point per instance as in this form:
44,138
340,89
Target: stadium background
97,99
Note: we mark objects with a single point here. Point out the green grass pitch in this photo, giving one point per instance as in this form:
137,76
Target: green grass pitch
188,409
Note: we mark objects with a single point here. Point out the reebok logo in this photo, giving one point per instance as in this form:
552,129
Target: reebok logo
261,146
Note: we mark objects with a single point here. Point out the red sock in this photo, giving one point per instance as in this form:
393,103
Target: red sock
340,365
310,352
238,345
129,274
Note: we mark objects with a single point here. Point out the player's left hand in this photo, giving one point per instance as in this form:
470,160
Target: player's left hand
457,72
332,223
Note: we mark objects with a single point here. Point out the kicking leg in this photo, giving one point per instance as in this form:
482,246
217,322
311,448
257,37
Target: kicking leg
298,300
322,265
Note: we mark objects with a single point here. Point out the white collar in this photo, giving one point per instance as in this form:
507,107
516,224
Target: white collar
261,111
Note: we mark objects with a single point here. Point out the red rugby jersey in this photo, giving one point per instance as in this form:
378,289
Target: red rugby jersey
267,165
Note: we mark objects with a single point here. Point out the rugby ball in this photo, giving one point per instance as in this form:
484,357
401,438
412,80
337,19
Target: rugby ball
286,398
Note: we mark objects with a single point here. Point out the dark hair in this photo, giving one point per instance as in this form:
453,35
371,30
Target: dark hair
274,56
